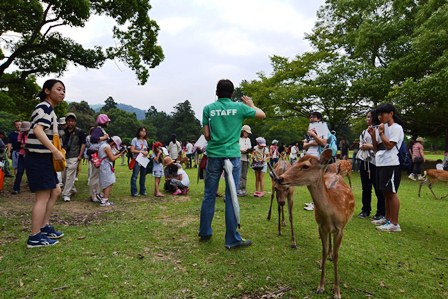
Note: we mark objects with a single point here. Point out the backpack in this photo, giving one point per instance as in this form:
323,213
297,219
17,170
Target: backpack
404,157
331,144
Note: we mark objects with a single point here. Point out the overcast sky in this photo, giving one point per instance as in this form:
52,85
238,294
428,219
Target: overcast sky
203,41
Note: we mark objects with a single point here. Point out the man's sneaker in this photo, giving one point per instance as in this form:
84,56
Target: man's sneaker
309,206
379,221
66,198
99,197
363,215
50,232
377,217
384,226
40,240
243,243
15,192
412,177
420,178
106,203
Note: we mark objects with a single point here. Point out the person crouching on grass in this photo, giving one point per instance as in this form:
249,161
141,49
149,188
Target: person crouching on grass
387,139
180,180
40,152
106,169
157,168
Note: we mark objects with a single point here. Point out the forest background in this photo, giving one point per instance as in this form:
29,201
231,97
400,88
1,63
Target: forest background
363,53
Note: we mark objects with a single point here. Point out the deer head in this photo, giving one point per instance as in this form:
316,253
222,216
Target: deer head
306,171
280,190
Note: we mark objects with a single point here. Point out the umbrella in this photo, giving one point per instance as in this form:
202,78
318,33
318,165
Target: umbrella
228,167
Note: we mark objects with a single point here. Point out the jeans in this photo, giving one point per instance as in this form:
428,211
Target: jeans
367,183
215,167
138,168
20,171
243,177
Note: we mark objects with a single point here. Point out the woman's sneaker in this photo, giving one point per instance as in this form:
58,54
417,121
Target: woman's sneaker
50,232
384,226
40,240
106,203
309,206
380,221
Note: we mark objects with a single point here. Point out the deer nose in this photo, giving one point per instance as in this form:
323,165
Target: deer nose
279,180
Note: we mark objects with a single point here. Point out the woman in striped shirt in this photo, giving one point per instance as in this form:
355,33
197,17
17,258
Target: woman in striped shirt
39,164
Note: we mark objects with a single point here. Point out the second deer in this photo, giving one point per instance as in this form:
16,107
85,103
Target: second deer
334,205
431,176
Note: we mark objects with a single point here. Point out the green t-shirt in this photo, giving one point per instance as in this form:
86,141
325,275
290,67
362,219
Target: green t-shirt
225,118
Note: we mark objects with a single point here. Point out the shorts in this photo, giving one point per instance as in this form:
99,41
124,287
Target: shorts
40,171
157,173
388,178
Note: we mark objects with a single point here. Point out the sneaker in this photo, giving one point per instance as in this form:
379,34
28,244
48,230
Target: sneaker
66,198
309,206
15,192
40,240
420,178
106,203
363,215
50,232
185,191
95,199
260,194
135,195
76,179
143,194
377,217
177,192
391,228
379,221
412,177
243,243
257,194
99,197
384,226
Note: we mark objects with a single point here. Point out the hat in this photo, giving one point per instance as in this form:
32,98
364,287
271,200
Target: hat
420,139
261,141
246,129
274,141
168,161
102,119
117,141
71,114
25,126
61,121
157,144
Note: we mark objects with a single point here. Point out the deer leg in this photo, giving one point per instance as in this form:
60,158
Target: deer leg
283,216
324,236
280,212
290,206
337,243
420,188
430,188
349,180
270,207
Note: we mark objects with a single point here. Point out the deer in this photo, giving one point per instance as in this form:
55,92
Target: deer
334,204
282,192
432,176
343,168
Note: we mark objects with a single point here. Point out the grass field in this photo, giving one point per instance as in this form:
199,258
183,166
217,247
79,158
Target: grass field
147,247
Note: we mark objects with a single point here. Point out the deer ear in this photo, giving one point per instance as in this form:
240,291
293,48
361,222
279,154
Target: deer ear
325,156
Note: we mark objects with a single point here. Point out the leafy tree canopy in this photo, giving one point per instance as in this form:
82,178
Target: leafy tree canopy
30,40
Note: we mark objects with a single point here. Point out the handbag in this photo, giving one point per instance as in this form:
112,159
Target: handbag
95,159
258,165
132,164
62,164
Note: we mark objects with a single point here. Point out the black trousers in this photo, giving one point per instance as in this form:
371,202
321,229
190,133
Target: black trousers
367,183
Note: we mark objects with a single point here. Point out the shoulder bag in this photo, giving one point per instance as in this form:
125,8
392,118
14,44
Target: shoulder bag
62,164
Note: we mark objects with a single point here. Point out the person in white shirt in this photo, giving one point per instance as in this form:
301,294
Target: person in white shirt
189,153
439,164
245,148
317,135
294,153
174,148
387,139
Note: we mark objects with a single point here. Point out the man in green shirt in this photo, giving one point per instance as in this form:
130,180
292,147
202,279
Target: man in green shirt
222,121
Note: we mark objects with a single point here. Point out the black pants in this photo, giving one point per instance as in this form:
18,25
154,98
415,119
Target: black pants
367,183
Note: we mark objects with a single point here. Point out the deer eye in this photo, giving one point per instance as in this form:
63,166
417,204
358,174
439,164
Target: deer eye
305,166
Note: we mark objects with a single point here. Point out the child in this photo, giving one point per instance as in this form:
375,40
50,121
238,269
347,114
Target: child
23,136
106,170
439,164
157,168
178,178
42,178
260,154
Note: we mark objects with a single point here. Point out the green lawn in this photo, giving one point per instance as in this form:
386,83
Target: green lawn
147,247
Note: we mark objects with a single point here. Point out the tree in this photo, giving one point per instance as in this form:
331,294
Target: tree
109,103
30,40
123,124
184,122
19,98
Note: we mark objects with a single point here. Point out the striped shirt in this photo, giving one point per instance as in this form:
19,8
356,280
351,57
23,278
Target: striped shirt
43,115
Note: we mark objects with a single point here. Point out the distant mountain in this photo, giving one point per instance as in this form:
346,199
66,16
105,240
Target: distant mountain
139,112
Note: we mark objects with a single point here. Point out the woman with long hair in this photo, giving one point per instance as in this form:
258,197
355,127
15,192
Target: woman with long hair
139,145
